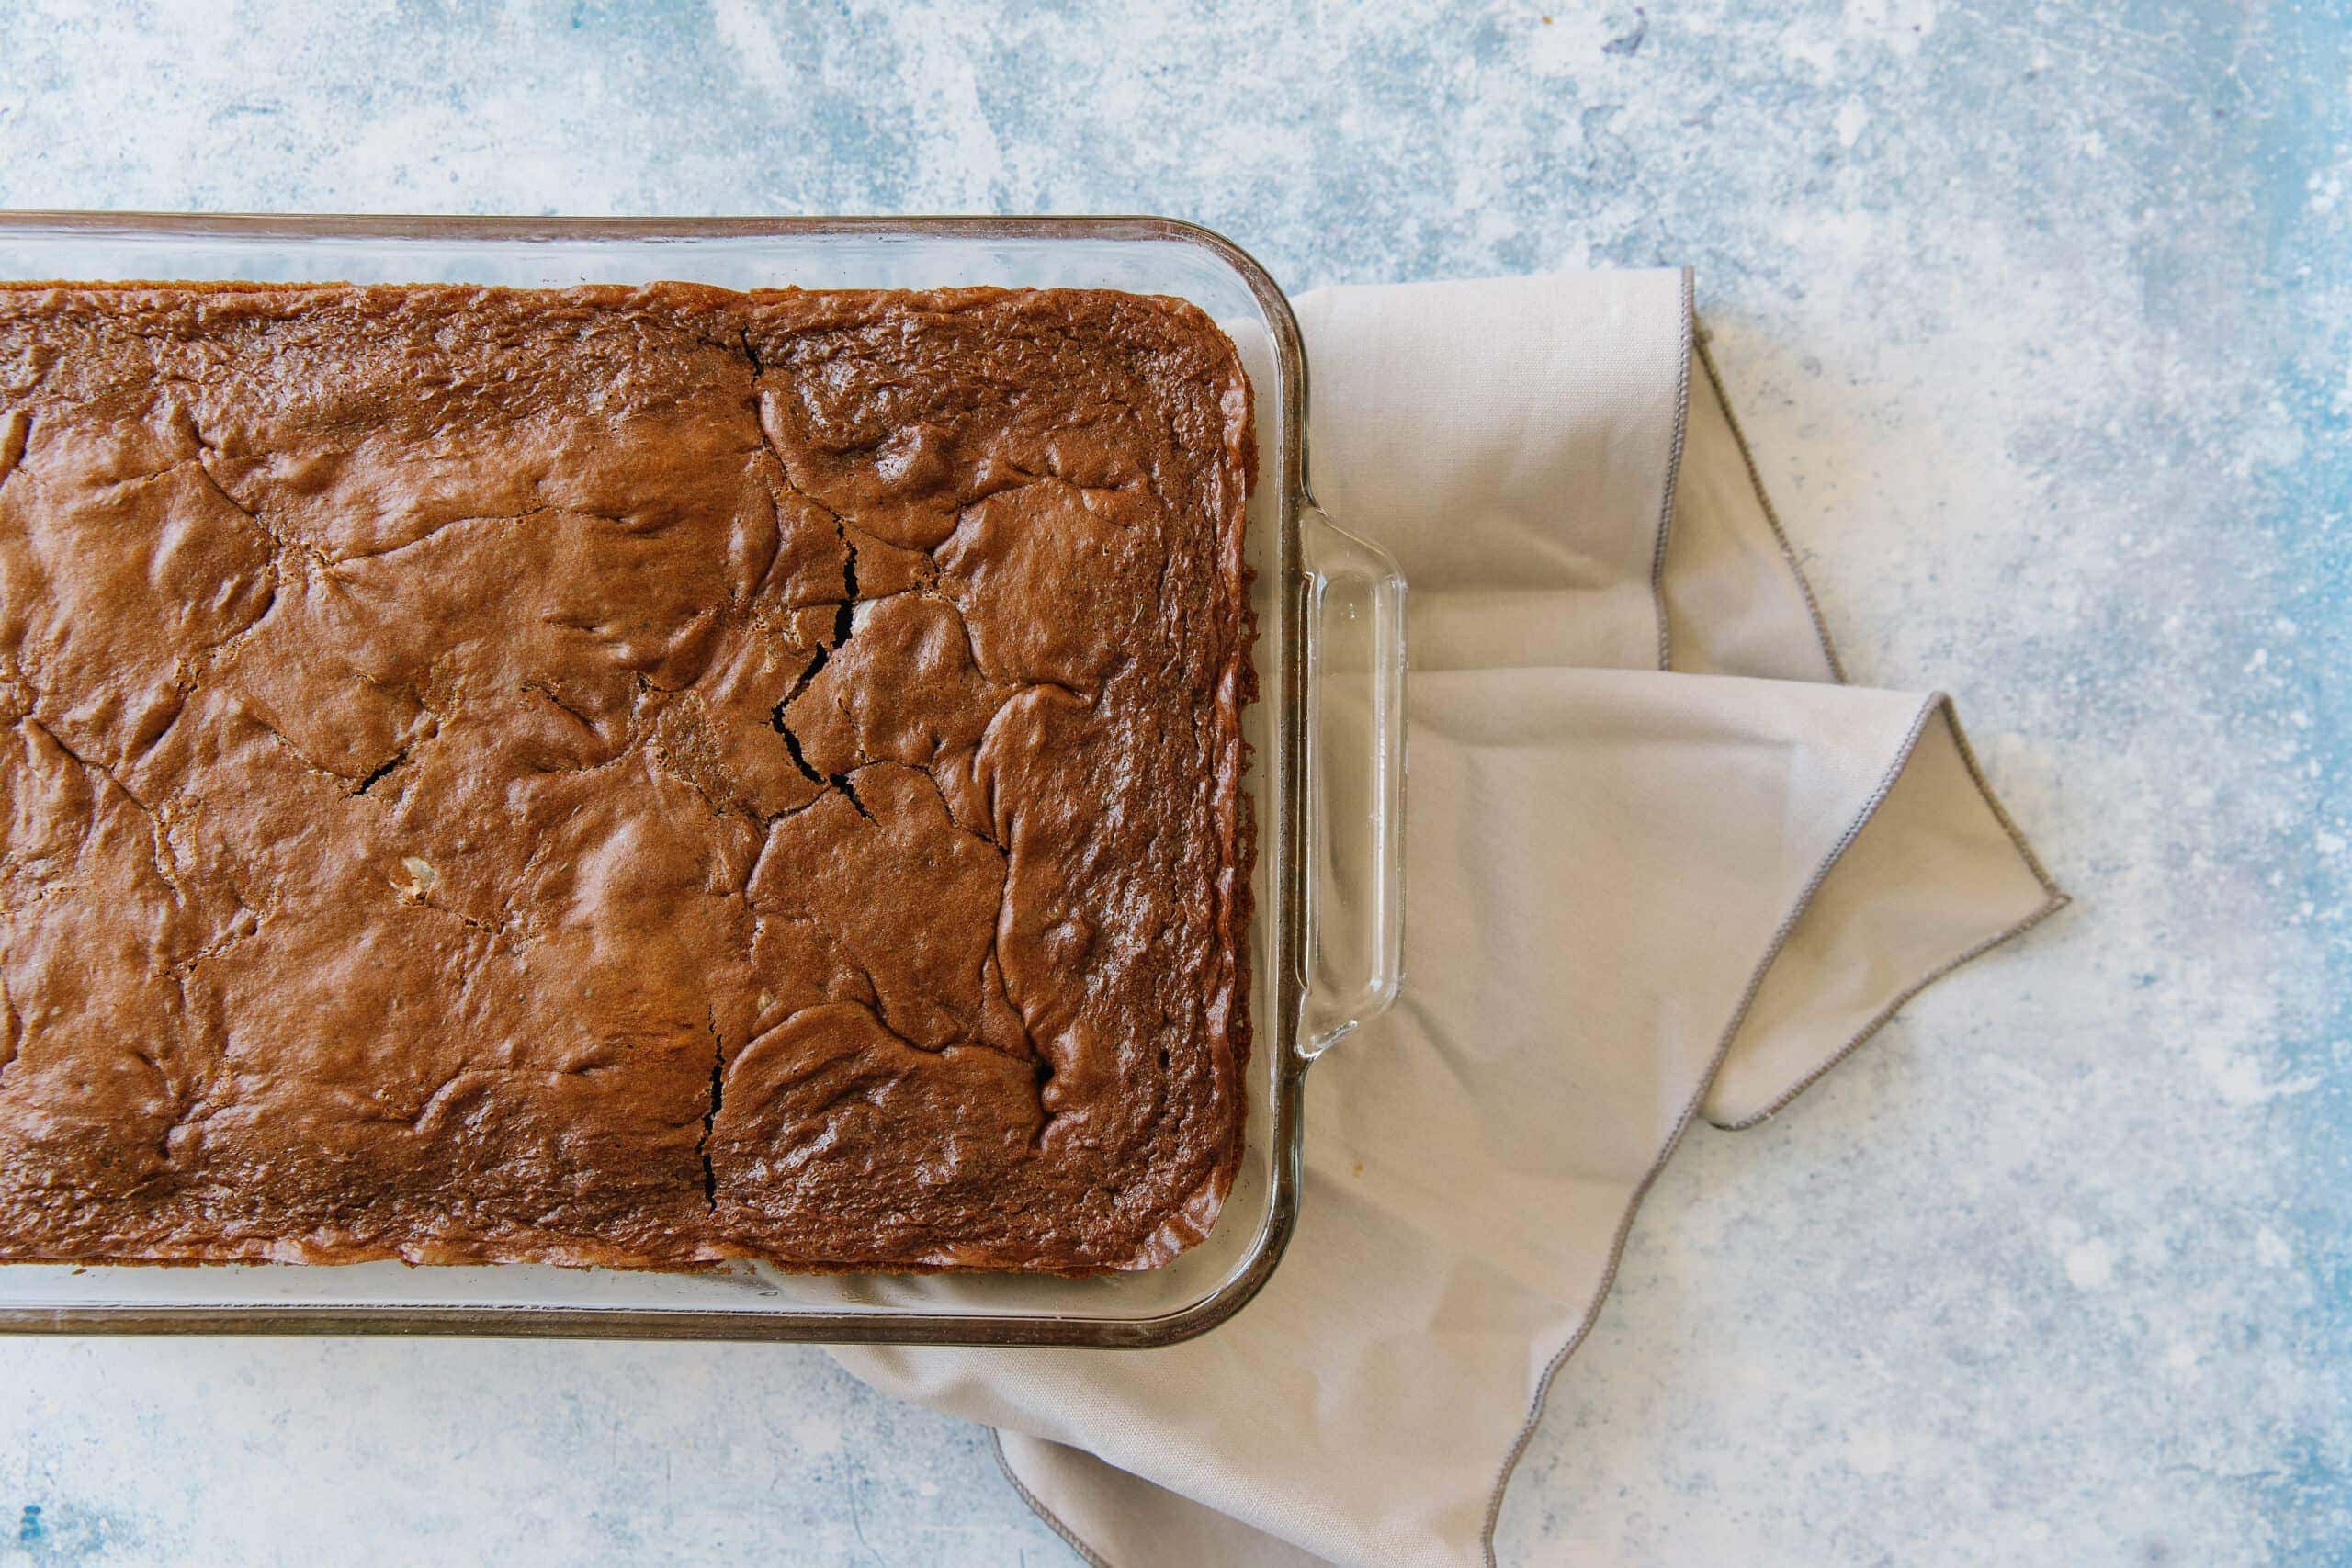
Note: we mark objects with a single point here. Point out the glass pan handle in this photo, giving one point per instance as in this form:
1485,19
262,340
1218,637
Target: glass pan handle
1355,781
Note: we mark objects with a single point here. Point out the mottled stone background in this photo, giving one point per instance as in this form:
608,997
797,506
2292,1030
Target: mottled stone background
2040,316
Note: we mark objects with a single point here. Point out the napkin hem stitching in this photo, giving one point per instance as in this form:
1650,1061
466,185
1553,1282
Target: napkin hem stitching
1936,703
1773,518
1092,1558
1673,474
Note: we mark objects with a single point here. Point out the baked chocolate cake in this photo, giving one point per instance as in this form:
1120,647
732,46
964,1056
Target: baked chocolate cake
634,777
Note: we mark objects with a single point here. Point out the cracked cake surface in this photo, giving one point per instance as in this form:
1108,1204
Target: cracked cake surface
638,776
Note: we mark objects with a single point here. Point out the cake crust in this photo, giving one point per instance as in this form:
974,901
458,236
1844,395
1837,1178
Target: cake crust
628,777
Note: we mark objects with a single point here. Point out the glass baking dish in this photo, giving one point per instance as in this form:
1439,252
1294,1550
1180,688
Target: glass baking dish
1326,784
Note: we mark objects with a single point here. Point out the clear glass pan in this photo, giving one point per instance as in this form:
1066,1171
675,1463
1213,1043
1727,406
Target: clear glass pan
1330,617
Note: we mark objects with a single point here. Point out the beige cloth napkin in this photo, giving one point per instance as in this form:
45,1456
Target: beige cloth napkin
1662,861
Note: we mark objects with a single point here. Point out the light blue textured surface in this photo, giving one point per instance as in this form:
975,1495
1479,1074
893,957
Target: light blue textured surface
2041,319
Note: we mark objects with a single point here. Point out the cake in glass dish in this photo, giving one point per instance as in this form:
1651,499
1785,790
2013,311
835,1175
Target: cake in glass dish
626,776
